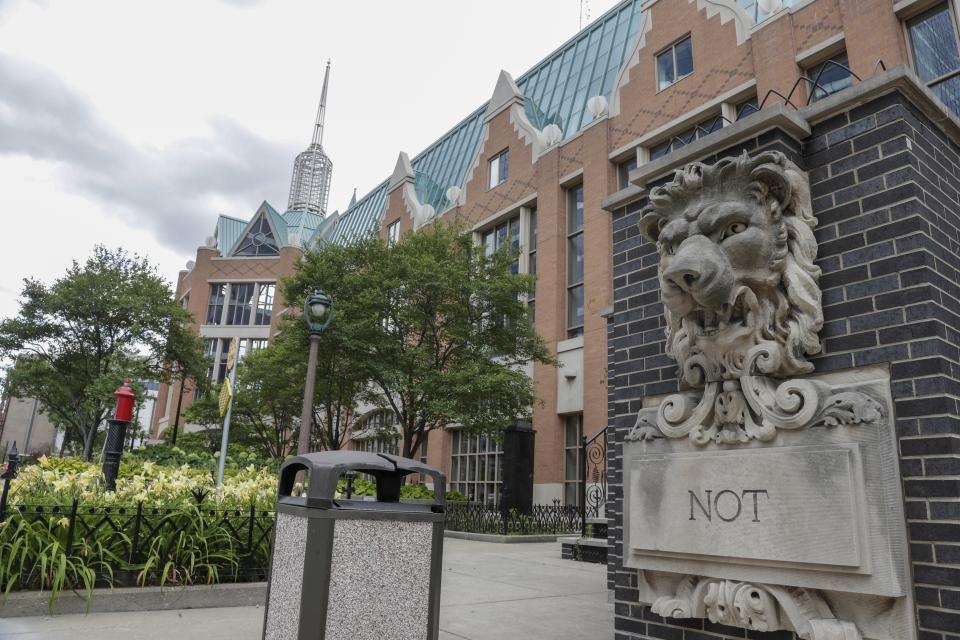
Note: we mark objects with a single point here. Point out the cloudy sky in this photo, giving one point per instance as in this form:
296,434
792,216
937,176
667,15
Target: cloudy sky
134,123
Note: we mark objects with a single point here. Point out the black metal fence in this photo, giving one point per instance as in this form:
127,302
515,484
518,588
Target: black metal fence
542,519
137,538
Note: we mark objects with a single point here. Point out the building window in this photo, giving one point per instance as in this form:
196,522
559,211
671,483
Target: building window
259,241
498,167
747,108
684,138
572,459
532,266
936,58
239,309
256,344
505,235
241,302
674,64
264,303
623,172
829,76
211,351
222,360
575,261
377,433
378,445
393,233
476,463
215,304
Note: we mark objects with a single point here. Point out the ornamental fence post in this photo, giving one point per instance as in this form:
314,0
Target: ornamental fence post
136,533
582,488
72,526
250,523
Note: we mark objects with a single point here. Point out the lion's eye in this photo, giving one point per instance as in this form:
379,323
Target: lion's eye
735,228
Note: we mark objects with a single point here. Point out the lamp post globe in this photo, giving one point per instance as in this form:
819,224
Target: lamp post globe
317,311
317,314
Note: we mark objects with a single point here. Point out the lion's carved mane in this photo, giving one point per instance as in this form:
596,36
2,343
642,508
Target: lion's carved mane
785,318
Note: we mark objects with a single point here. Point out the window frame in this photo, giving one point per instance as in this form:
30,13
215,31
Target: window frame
672,50
465,462
812,77
570,201
576,482
951,9
531,266
256,312
624,168
502,162
697,131
393,232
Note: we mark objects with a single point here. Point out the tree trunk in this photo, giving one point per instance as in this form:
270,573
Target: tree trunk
88,444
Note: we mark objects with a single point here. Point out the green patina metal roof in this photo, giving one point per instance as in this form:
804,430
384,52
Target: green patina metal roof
362,218
229,231
555,91
320,228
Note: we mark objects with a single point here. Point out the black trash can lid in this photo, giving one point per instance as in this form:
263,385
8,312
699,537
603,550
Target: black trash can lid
325,468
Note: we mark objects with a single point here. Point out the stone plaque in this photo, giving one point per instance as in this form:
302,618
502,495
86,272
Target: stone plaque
799,505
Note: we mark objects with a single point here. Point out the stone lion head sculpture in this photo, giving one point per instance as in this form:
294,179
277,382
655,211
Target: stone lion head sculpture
737,274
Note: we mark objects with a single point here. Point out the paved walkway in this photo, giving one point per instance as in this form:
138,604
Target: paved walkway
490,592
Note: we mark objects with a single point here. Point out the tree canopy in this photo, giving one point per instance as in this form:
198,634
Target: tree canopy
438,329
74,341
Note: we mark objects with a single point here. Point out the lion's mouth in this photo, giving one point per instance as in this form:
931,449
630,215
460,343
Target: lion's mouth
710,322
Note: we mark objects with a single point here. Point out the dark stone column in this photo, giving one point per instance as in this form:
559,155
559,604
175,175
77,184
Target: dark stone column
516,490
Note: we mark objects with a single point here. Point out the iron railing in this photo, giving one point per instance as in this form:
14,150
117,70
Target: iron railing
542,519
130,534
593,479
812,86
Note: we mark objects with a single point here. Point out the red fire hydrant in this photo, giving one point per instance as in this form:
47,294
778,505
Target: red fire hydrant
117,433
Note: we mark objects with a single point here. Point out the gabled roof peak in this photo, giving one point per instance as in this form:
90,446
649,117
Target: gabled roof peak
505,92
402,172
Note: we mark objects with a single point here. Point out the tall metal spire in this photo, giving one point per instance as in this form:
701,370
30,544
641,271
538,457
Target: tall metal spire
321,110
313,169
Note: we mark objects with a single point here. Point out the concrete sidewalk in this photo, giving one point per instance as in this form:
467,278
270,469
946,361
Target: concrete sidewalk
490,592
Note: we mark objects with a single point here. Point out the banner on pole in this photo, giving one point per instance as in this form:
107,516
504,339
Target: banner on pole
226,392
232,354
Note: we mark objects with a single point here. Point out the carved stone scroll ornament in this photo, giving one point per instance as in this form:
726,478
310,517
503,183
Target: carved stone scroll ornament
753,408
757,607
741,303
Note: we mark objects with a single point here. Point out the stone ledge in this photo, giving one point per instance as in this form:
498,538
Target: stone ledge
493,537
584,542
21,604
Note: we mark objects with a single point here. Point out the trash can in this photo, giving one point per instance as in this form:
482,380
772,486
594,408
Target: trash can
344,569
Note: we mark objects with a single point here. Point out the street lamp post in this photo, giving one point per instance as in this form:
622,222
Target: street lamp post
317,313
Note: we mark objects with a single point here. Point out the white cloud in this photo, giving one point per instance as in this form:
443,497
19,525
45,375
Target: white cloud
138,122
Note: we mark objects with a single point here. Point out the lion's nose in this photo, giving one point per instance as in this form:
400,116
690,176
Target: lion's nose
701,270
685,270
684,276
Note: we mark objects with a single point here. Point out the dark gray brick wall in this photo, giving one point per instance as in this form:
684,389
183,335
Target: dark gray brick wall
885,184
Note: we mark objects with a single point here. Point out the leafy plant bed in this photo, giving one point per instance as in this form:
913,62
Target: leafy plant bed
54,548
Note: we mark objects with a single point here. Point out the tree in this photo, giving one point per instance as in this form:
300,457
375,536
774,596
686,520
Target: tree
74,342
439,329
